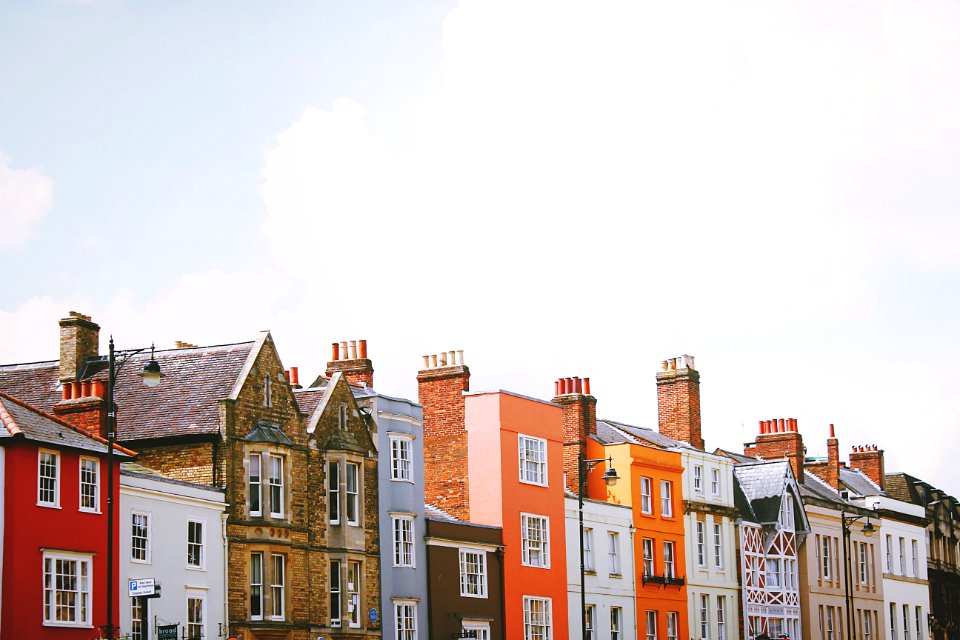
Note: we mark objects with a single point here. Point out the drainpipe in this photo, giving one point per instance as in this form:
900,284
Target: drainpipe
223,534
633,552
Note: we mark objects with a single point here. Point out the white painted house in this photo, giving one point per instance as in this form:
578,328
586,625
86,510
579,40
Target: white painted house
174,533
608,567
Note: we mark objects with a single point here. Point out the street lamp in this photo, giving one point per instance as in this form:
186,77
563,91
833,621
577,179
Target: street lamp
151,375
868,530
610,477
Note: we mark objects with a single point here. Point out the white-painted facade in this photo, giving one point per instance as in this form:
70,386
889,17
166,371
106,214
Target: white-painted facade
189,575
903,556
710,524
609,569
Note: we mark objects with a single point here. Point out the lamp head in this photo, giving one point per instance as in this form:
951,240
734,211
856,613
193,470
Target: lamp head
868,529
151,371
610,476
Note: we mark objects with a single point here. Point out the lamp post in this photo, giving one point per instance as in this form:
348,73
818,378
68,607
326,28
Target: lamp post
151,378
610,477
846,522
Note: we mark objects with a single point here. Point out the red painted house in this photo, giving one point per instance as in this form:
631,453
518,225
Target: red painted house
53,499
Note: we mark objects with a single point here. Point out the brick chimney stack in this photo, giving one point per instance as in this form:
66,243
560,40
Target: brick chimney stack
869,460
579,422
678,401
79,340
350,357
441,384
779,438
829,470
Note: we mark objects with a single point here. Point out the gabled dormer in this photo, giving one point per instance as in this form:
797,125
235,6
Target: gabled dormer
338,423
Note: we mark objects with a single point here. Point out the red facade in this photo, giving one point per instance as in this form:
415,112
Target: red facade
61,545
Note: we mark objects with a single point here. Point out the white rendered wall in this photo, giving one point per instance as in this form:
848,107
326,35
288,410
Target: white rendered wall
603,590
170,506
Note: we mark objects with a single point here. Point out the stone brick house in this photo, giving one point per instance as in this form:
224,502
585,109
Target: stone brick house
227,416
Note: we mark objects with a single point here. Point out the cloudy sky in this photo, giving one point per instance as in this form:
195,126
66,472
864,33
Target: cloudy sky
558,188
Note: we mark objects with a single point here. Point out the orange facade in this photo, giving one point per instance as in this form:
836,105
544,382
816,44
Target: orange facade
516,482
650,483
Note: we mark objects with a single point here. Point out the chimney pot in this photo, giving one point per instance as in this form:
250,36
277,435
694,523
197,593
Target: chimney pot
673,364
352,347
556,387
84,388
460,357
426,362
761,425
576,384
295,375
443,358
363,349
665,365
344,355
433,360
833,433
335,351
586,386
67,391
97,388
783,428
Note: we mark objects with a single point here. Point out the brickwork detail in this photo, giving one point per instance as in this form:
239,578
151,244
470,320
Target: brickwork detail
771,446
358,372
79,340
446,483
678,404
87,414
579,420
869,460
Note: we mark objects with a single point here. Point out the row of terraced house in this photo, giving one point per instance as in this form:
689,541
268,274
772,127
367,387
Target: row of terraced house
251,506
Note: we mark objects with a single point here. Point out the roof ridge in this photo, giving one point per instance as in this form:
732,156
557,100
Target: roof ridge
7,420
66,424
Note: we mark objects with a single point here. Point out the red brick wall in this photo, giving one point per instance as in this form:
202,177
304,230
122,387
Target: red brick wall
869,461
579,421
358,372
772,446
87,414
445,438
678,405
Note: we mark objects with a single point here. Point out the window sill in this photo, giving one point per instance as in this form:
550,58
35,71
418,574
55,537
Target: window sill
73,625
49,505
189,568
134,561
92,511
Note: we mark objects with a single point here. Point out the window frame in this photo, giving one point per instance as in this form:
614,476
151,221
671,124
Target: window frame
616,623
650,624
335,589
196,596
147,542
701,544
258,491
354,571
401,457
538,473
405,611
258,585
404,548
55,503
353,497
646,497
589,564
84,596
342,417
698,478
673,625
649,561
721,617
333,492
96,484
715,482
277,485
526,543
704,616
545,624
666,499
139,628
590,621
613,554
278,588
717,546
202,544
672,562
465,573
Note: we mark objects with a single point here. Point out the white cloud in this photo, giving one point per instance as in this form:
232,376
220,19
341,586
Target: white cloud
26,196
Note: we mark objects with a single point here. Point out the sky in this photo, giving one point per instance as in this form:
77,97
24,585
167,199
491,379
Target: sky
558,188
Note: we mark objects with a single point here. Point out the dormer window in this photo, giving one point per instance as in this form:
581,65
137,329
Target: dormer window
786,512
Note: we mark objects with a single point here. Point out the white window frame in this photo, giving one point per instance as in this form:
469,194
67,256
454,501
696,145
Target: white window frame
588,561
202,624
590,620
646,496
276,485
529,545
889,553
673,619
405,619
903,556
354,575
666,498
616,623
353,497
55,503
336,593
698,479
717,546
669,559
96,484
715,482
480,629
701,544
826,564
403,545
864,575
255,484
722,617
649,560
473,562
83,564
532,459
147,543
333,491
202,544
705,616
650,624
915,558
278,586
613,553
256,584
537,625
401,457
136,618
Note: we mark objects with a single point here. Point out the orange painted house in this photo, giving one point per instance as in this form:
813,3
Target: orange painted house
508,449
650,483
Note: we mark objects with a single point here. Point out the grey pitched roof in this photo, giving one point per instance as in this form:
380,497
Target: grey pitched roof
268,433
858,483
739,458
643,433
436,513
309,398
135,470
763,479
185,403
19,420
741,502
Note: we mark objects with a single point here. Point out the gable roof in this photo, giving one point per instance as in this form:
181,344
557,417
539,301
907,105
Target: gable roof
340,439
21,421
637,435
186,403
859,483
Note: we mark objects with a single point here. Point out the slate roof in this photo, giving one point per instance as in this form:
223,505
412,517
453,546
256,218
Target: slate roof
308,399
19,420
186,403
436,513
763,484
739,458
135,470
857,482
741,502
268,433
615,431
902,487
